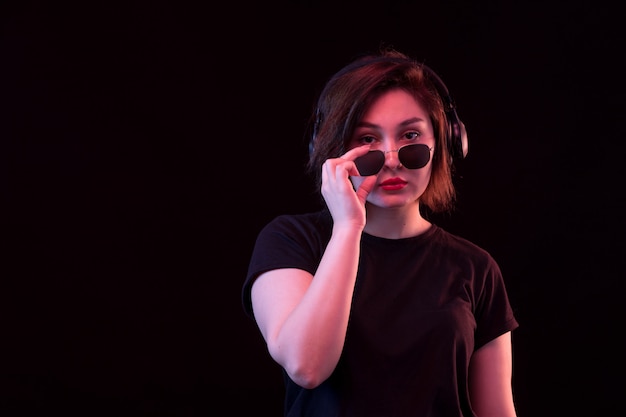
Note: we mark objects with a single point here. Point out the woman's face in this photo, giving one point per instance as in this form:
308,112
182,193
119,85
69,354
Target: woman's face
394,120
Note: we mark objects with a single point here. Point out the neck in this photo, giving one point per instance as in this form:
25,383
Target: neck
395,223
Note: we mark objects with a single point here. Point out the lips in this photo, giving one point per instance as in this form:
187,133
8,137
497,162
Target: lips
393,184
393,181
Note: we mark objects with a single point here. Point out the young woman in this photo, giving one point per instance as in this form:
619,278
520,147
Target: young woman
369,308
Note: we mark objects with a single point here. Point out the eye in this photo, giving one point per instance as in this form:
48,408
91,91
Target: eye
367,139
412,135
362,138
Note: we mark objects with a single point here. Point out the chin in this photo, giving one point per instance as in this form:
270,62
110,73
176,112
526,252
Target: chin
392,202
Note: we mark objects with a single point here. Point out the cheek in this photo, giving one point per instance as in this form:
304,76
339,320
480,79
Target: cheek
424,175
421,174
420,178
428,169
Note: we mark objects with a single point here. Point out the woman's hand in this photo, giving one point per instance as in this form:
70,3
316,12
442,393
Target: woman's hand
346,205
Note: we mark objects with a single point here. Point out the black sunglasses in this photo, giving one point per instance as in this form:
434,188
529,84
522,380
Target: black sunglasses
413,156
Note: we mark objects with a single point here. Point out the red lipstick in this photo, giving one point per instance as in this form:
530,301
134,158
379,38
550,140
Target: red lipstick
393,184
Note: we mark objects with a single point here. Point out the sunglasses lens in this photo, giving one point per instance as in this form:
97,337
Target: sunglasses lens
414,156
411,156
370,163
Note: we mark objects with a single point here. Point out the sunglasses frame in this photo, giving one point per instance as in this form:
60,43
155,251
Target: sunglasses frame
372,162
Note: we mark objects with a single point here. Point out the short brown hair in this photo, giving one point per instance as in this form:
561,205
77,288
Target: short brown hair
347,95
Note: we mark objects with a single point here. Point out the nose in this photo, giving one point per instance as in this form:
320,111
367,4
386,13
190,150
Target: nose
391,158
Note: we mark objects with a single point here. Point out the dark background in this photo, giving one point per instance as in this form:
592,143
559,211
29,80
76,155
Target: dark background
144,145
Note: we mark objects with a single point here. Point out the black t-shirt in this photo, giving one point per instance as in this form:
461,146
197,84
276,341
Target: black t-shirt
422,305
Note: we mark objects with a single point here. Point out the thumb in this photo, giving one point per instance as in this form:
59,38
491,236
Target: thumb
365,188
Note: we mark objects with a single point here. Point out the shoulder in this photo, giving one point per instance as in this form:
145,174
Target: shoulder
305,231
455,240
305,224
462,248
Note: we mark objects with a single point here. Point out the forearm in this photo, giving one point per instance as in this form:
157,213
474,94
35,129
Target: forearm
311,339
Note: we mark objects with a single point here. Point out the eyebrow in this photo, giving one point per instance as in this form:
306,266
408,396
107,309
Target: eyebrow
403,123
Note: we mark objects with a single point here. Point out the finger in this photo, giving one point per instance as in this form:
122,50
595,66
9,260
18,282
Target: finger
336,172
354,153
341,167
365,188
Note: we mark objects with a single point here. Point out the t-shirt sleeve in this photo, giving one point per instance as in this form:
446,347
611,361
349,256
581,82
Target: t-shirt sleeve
494,314
285,242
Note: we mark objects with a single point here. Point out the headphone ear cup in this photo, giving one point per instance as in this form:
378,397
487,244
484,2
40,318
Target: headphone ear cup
457,136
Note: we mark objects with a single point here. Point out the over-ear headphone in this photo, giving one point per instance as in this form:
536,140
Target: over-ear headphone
456,135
